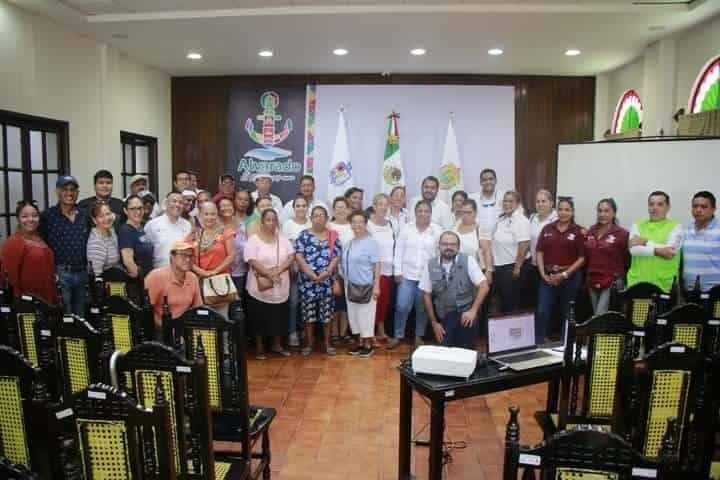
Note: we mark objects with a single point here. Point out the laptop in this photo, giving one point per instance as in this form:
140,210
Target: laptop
511,343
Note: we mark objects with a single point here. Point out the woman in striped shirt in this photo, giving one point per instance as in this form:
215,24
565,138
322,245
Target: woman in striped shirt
102,244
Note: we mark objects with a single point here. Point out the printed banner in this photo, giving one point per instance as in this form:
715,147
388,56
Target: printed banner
266,135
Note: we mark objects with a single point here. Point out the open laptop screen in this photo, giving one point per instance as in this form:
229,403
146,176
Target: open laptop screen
511,332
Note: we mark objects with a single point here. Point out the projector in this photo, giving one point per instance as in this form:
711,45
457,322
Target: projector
448,361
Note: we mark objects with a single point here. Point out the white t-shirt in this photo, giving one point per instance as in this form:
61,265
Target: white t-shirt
536,227
441,214
288,213
292,229
163,233
509,231
474,271
385,237
399,222
414,249
470,243
488,209
345,232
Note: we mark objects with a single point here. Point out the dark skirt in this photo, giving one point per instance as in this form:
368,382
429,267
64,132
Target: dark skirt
268,319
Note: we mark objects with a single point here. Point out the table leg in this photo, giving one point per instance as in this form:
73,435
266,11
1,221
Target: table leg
437,427
405,429
552,396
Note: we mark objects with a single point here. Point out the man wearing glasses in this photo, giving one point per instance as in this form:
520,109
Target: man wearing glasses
176,282
454,288
65,228
489,200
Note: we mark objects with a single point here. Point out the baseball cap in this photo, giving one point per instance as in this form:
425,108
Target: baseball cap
181,246
65,180
189,193
137,178
258,176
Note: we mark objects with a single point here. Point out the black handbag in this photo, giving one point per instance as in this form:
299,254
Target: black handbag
357,293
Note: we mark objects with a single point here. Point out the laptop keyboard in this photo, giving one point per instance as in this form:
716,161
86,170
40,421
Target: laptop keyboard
524,357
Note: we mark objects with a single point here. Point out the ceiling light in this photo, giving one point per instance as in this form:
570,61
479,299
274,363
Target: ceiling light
340,52
418,51
194,56
495,51
573,52
265,53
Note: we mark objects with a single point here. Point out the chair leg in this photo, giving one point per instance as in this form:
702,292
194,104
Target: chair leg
266,453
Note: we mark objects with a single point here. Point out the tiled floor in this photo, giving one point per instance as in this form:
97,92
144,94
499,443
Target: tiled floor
338,419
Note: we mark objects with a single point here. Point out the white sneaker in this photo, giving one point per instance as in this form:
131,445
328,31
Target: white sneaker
293,340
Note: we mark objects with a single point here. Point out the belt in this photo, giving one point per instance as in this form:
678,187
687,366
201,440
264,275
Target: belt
72,268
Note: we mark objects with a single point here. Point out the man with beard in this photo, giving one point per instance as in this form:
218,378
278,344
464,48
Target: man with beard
441,214
454,288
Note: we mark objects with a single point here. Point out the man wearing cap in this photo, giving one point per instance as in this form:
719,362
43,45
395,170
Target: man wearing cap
65,228
103,180
263,182
189,209
176,282
167,229
226,188
307,190
138,183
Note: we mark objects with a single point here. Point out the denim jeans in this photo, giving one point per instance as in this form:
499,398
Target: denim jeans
548,296
408,294
456,335
73,286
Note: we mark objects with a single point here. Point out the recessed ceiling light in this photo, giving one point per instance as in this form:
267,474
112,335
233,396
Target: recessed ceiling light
418,51
194,56
495,51
573,52
340,52
265,53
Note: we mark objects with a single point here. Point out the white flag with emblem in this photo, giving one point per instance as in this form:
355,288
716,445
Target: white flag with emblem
450,175
341,174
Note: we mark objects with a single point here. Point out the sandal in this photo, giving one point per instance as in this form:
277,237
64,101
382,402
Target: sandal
330,350
281,351
306,351
260,356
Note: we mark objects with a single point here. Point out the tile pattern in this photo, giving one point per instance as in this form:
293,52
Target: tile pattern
338,419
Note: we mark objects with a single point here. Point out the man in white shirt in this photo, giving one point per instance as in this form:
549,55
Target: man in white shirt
441,213
454,287
489,200
263,182
167,229
307,190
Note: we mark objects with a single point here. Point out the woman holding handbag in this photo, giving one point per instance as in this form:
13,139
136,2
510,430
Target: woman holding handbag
318,249
215,251
360,267
269,254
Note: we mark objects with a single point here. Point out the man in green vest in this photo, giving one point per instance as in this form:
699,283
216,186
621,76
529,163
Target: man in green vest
655,246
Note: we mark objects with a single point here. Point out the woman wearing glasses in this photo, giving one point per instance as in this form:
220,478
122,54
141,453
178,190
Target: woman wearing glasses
560,259
102,245
28,262
136,249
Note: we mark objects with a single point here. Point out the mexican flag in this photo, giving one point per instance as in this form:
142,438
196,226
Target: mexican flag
392,174
450,172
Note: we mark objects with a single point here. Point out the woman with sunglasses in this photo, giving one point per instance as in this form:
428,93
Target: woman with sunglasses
28,262
136,249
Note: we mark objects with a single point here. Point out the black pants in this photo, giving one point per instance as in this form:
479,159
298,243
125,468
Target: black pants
509,290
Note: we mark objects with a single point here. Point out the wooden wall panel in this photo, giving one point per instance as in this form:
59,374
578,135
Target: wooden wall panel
548,111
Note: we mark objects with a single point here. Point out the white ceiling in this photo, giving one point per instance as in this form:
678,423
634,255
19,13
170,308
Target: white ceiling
378,33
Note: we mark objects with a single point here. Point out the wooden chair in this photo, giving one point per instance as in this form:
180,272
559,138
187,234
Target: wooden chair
26,422
584,453
117,437
598,363
225,350
81,356
117,282
15,471
641,304
125,323
688,324
670,382
186,389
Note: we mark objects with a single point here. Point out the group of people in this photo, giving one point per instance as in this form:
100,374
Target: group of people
353,269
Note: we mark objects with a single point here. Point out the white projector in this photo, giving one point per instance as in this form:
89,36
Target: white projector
449,361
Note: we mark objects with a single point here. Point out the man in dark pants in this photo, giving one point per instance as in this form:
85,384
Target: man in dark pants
455,288
65,228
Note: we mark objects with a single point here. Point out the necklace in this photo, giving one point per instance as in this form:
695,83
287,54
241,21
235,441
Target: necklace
207,241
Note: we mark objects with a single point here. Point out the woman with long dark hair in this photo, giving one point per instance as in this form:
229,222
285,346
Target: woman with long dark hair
606,248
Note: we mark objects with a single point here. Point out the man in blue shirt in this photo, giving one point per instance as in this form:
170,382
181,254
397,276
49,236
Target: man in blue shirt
701,245
65,228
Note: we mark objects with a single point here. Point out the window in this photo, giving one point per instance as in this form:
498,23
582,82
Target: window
705,94
139,154
33,152
628,113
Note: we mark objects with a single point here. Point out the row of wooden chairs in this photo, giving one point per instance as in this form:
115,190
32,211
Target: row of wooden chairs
72,357
609,382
